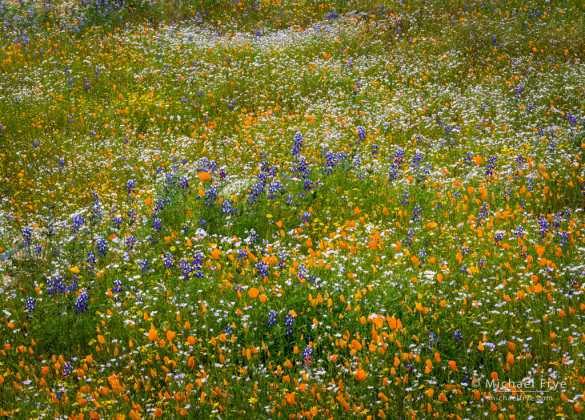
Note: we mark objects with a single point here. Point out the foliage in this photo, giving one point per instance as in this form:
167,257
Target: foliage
302,209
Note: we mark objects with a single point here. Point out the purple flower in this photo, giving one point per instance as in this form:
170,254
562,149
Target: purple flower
30,304
82,302
131,187
272,318
168,260
290,319
298,144
130,241
102,246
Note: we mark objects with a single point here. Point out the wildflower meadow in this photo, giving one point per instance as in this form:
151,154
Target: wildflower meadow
270,209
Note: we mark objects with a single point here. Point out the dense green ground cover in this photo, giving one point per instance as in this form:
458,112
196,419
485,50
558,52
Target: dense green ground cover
292,209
